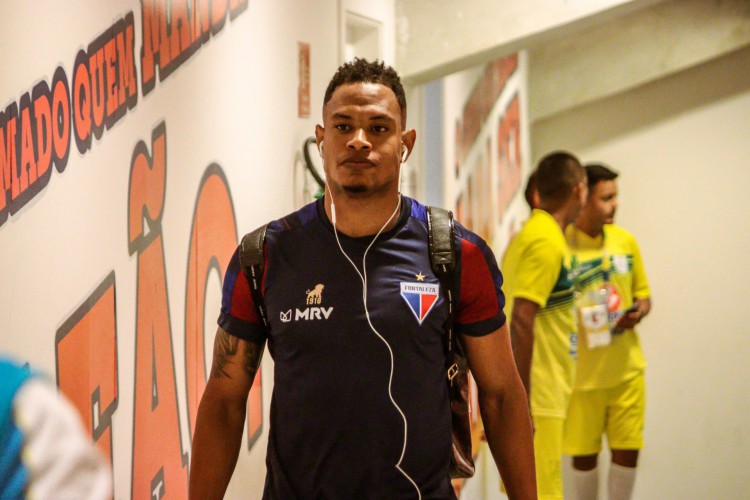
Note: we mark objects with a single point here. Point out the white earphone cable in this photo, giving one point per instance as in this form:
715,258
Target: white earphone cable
363,277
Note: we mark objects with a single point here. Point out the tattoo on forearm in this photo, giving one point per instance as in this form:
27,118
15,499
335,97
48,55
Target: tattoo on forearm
225,347
253,353
226,350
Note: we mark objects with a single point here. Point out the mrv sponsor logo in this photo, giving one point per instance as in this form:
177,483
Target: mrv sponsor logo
313,311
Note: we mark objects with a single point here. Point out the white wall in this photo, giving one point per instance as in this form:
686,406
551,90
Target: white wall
681,146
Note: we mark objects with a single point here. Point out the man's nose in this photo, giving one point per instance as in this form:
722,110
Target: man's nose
359,141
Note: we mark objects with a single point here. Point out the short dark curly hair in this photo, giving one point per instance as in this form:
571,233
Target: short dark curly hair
360,70
598,172
557,174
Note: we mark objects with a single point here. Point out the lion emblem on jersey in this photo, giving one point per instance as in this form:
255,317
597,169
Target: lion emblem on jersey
315,296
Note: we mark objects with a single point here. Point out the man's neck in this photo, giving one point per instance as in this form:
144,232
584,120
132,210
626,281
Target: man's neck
561,216
591,228
358,216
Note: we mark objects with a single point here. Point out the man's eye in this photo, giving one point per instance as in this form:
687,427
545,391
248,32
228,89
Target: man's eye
379,128
341,126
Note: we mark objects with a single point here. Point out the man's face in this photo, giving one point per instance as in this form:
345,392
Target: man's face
362,138
601,205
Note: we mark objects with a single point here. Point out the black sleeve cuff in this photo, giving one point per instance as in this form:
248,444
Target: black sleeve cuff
482,328
251,332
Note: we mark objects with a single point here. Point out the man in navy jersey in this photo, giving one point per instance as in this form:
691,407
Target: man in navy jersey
360,401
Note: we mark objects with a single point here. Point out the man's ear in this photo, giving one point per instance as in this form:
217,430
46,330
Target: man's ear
319,132
408,138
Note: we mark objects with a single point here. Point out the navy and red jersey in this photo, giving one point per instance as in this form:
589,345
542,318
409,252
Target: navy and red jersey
334,431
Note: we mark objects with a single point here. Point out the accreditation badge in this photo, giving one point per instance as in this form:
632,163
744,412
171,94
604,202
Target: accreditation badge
593,318
614,303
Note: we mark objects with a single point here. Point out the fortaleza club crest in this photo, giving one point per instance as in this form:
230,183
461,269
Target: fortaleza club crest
420,297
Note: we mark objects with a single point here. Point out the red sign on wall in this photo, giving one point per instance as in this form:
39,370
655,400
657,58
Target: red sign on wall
303,91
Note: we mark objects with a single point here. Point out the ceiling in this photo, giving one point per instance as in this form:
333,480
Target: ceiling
579,51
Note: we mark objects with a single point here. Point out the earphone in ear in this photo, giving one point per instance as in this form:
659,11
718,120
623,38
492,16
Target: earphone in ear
404,154
320,149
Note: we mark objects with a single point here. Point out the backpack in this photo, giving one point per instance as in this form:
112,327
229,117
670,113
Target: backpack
441,232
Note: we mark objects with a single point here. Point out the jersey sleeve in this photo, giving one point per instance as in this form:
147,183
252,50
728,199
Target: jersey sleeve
641,289
238,315
538,271
481,300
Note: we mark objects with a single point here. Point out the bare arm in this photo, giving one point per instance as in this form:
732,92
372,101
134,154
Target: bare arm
221,415
522,337
504,409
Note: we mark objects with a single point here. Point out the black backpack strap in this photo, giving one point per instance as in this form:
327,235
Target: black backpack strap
252,262
441,230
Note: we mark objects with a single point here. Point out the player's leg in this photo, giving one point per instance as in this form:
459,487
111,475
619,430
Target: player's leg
582,439
625,435
548,433
625,458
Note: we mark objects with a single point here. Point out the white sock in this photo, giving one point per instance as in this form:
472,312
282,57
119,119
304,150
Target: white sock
621,482
586,483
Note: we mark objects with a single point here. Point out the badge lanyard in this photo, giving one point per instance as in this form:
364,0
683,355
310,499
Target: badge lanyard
605,260
593,305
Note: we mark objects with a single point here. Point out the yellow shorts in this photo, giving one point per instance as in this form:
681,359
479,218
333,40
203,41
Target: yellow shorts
619,411
548,437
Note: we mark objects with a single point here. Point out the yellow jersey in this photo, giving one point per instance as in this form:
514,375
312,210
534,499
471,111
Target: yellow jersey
623,359
537,267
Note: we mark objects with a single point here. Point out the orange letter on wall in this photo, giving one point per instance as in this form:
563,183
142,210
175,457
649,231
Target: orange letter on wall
86,358
8,159
159,462
155,49
212,241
